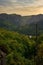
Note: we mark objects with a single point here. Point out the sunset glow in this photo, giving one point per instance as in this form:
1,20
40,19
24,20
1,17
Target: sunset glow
22,7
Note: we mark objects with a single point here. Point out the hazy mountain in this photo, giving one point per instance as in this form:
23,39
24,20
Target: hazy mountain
23,24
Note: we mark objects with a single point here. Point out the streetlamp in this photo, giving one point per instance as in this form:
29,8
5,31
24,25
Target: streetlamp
36,32
36,41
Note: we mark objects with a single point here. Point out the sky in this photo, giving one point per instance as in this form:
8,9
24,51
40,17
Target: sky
22,7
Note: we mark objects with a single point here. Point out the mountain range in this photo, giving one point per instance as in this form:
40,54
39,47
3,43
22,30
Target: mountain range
22,24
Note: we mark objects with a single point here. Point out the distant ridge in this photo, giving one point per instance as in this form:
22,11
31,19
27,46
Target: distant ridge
22,24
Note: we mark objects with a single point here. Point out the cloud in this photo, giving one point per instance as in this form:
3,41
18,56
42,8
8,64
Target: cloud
5,2
39,2
22,11
21,2
23,7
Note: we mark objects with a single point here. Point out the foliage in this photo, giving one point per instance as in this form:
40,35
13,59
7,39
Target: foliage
20,48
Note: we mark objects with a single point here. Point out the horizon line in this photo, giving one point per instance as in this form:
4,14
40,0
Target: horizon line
20,14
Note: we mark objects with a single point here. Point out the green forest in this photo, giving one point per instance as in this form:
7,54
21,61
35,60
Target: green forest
21,49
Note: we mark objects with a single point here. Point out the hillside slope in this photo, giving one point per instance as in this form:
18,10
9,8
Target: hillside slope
22,24
21,50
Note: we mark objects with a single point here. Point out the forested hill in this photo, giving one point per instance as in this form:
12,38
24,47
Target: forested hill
20,49
22,24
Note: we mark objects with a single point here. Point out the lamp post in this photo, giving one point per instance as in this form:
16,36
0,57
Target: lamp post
36,34
36,42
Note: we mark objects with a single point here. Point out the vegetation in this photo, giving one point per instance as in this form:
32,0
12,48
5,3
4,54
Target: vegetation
22,24
21,50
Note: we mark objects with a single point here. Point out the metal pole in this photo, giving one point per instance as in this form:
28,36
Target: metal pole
36,33
36,36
